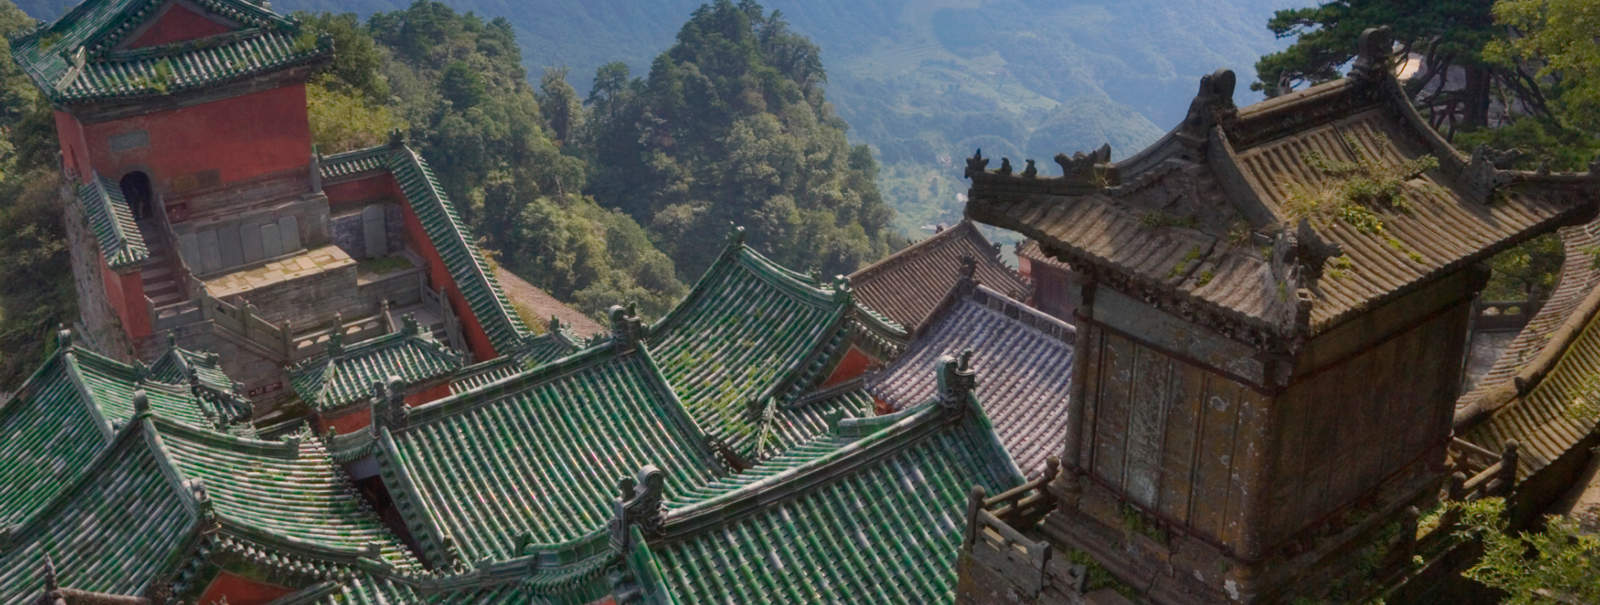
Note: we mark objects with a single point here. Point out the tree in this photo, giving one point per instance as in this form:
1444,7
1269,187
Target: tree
1558,37
1446,33
731,125
560,105
1555,564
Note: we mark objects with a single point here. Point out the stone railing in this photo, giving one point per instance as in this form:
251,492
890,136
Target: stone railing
244,322
439,302
992,541
1481,472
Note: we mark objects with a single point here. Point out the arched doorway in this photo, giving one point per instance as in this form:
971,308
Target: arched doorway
136,191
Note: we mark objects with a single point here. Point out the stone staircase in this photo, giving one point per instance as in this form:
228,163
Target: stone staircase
162,283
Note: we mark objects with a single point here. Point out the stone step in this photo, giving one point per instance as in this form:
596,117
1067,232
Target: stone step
158,272
154,288
168,298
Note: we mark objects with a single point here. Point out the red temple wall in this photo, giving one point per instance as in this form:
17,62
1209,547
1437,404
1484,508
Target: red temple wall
70,135
208,145
349,422
125,293
852,365
177,24
384,186
433,393
240,591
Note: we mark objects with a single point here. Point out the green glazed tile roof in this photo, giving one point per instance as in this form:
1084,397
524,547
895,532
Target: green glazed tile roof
266,42
289,495
111,383
354,163
454,243
877,518
50,432
115,529
535,351
329,383
112,223
746,329
174,365
507,584
536,459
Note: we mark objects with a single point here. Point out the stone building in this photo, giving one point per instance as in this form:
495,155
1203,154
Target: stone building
199,208
1272,305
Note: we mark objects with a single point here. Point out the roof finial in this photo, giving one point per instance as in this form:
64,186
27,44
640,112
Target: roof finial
1005,167
172,340
336,336
843,292
1211,105
397,138
1029,170
388,403
977,164
409,325
50,584
735,234
63,337
638,505
967,279
957,380
626,328
141,402
1374,50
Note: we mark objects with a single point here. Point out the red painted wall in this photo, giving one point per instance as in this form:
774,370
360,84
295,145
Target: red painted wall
73,148
383,185
433,393
350,421
177,24
853,364
361,191
211,144
438,275
125,293
240,590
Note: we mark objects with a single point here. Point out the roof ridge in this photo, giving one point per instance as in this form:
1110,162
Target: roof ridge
1021,309
861,442
457,403
918,247
283,449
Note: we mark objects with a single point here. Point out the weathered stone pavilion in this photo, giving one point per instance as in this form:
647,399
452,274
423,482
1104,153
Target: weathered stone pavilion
1272,305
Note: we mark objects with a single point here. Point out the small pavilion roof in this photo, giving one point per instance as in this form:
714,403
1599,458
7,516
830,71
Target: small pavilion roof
112,223
343,376
533,459
908,285
82,56
753,335
1024,357
823,524
1227,219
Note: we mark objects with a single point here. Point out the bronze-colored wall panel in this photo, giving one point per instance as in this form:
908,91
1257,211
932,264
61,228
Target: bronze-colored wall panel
1111,419
1178,451
1146,423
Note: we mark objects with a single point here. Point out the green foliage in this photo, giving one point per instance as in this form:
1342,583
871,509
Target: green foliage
1526,272
1540,141
342,120
731,126
1556,564
1558,36
1356,190
505,154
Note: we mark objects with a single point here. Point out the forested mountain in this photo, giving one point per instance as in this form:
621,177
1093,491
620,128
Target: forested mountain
926,81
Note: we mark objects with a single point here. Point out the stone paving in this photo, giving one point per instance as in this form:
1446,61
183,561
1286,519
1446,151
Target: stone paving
306,263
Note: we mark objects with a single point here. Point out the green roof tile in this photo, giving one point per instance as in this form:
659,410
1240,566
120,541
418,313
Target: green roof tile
748,329
50,436
112,223
115,529
535,351
536,459
453,241
866,518
289,495
51,55
346,377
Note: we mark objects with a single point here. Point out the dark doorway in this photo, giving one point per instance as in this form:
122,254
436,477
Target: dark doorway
136,191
